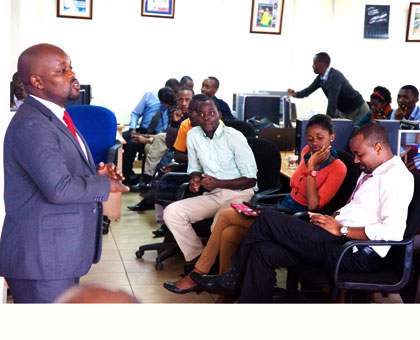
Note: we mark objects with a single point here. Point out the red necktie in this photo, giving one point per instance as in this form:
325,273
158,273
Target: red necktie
70,124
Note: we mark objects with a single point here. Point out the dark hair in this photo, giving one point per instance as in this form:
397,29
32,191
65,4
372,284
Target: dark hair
167,96
172,83
186,88
207,99
322,120
199,97
216,81
372,133
411,88
383,92
323,57
184,79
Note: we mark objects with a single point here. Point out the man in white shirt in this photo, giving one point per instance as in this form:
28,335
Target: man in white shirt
377,210
221,162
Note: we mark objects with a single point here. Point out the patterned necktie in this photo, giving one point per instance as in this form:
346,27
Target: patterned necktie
363,180
70,124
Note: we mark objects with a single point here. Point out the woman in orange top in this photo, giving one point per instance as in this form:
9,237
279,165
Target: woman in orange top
314,183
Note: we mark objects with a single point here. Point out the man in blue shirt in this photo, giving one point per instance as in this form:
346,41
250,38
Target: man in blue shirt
407,98
152,109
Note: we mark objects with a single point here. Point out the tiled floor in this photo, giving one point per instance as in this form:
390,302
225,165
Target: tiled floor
120,268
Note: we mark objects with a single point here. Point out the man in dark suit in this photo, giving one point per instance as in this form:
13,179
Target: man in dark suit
52,232
342,97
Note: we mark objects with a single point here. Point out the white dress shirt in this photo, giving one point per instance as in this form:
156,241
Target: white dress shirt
226,156
381,203
59,113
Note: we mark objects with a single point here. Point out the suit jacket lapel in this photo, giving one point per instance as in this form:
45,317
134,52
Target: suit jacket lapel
63,128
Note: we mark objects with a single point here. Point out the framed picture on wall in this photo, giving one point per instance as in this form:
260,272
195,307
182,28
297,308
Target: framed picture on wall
158,8
79,9
377,21
413,25
266,16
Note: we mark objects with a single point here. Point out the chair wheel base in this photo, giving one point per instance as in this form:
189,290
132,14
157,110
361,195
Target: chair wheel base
159,266
139,254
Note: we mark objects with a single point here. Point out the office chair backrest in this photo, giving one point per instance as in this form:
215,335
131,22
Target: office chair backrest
244,127
268,160
348,185
98,125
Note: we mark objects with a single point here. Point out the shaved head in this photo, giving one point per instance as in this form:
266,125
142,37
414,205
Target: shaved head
46,72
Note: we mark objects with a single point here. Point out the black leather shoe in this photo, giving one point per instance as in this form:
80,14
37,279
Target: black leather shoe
211,284
138,207
161,231
174,289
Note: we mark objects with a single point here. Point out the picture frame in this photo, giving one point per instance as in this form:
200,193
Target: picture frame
158,8
413,24
76,9
266,16
377,21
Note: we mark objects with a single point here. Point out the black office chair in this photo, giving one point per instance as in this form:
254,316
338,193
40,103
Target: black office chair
395,273
339,199
268,162
244,127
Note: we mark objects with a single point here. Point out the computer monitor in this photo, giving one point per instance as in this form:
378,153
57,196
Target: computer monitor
260,105
83,99
392,127
409,149
410,125
285,112
343,129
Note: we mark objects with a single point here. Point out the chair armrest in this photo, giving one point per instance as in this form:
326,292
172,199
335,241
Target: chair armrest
267,194
113,153
408,244
166,177
182,190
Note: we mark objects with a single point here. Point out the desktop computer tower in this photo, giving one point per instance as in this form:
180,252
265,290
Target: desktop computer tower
343,130
392,126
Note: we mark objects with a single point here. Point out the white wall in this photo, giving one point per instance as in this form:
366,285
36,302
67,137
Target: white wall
123,54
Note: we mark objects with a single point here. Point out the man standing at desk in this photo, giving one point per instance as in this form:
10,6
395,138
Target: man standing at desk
52,232
341,95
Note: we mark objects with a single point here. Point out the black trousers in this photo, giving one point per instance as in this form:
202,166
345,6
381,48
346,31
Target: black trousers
130,152
276,240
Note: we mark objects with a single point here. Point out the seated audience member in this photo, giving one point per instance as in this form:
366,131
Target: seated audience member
174,84
222,163
187,81
180,155
94,294
343,100
145,110
18,92
158,141
314,183
407,98
209,88
380,106
376,210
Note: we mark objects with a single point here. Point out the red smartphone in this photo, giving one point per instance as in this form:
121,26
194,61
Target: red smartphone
245,210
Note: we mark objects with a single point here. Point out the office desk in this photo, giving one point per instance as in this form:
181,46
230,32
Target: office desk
285,171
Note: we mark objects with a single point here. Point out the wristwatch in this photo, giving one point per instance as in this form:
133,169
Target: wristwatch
344,230
312,173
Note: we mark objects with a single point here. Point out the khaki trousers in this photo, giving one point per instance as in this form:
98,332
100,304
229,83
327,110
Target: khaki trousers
154,153
229,229
356,114
180,215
